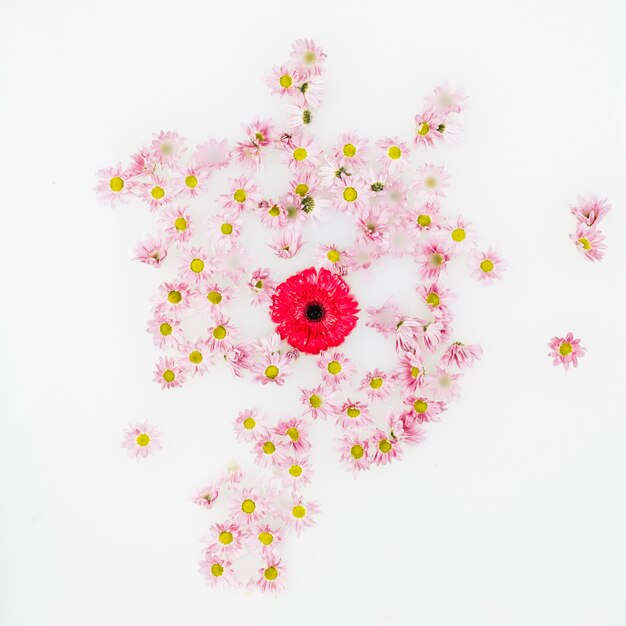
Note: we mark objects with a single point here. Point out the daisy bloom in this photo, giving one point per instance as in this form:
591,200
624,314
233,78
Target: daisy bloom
286,244
248,506
299,116
443,385
248,425
487,266
309,56
196,265
226,538
384,318
165,330
176,224
354,452
262,287
317,401
217,570
461,355
142,440
168,373
272,368
373,226
429,127
302,152
168,147
376,384
212,154
268,448
445,101
151,252
174,298
333,258
405,428
295,471
393,154
157,193
589,241
232,263
461,235
195,360
336,368
302,514
431,181
349,195
242,195
409,333
215,296
268,536
271,575
425,217
224,230
383,448
283,80
190,181
434,295
433,256
314,310
409,373
590,210
310,92
424,409
294,432
206,496
115,185
272,214
238,358
566,350
221,333
350,151
352,414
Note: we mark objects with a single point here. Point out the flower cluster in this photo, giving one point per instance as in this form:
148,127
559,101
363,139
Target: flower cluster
589,211
395,202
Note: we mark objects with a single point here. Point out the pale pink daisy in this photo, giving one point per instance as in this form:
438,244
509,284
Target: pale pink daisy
487,266
196,265
174,298
212,154
317,401
299,116
429,126
445,101
295,470
394,196
383,448
224,230
304,183
432,256
168,146
283,80
165,330
261,286
243,194
310,92
191,180
393,154
462,236
168,373
214,297
249,506
409,332
424,409
194,357
260,134
157,193
217,570
286,244
272,214
248,424
294,433
461,355
268,536
354,452
373,226
268,448
176,224
425,217
142,440
239,358
350,151
221,333
431,181
272,368
115,185
443,385
590,210
566,350
232,263
384,318
336,367
333,258
435,331
143,162
302,152
376,384
404,428
349,195
151,251
272,574
434,295
409,373
226,538
590,241
206,496
302,514
309,57
352,415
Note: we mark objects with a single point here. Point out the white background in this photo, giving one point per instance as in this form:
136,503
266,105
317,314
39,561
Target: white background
511,512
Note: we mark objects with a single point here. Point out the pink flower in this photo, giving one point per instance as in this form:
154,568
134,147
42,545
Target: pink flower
261,287
445,101
376,384
272,574
217,570
248,506
394,154
433,257
349,195
272,368
115,185
196,265
461,235
429,127
384,318
142,440
165,330
425,217
431,181
283,80
566,350
302,514
409,373
434,295
301,152
286,244
168,373
243,194
350,151
212,154
487,266
590,210
354,452
221,334
176,223
238,358
295,471
268,448
151,252
443,385
333,258
424,409
294,434
214,297
405,428
196,361
224,230
336,367
174,298
309,57
191,180
248,425
589,241
383,448
157,193
268,537
206,496
353,414
317,401
226,538
409,333
461,355
168,147
272,214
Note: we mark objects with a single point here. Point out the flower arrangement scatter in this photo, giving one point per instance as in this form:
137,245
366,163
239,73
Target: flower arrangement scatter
589,211
566,351
393,194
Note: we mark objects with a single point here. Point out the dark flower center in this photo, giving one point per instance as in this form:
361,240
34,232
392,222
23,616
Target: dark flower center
314,312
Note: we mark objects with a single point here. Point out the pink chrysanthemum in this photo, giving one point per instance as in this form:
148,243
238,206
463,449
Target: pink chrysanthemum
410,374
217,570
431,181
226,538
294,433
191,180
317,401
214,297
249,506
206,496
175,298
314,310
302,514
434,295
349,195
151,251
443,385
433,257
243,194
445,101
115,185
286,244
424,217
221,334
301,152
194,357
196,265
168,146
429,127
248,425
487,266
461,355
590,242
394,154
165,330
157,193
590,210
566,350
238,358
168,373
283,80
424,409
309,57
353,414
354,452
405,428
295,471
262,287
268,536
350,151
176,224
273,368
384,318
383,448
268,448
376,384
142,440
271,575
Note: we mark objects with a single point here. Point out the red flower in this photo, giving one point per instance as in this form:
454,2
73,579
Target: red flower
314,310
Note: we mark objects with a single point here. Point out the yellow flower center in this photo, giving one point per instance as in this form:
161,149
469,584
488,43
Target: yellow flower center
174,297
432,299
258,284
285,81
293,433
197,265
271,573
333,256
217,569
165,329
157,192
436,259
266,538
180,223
169,376
298,511
424,220
295,471
302,189
240,196
384,446
299,154
423,129
394,152
585,243
226,229
350,194
458,235
315,401
420,406
415,372
349,150
376,383
116,184
357,451
430,182
219,332
565,349
486,265
191,181
248,506
214,297
195,357
143,440
274,211
226,537
352,412
334,367
309,57
249,423
269,447
271,371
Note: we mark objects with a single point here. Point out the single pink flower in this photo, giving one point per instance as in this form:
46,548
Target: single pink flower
206,496
272,574
383,448
590,210
151,251
115,185
142,440
461,355
354,451
566,350
168,373
487,266
590,241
